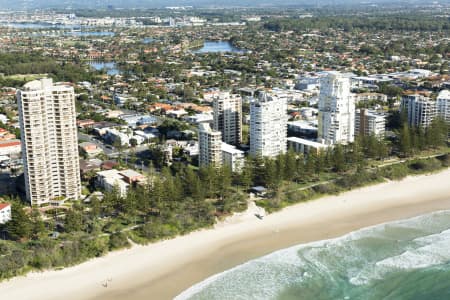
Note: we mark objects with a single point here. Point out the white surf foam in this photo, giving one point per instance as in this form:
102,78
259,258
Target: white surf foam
279,267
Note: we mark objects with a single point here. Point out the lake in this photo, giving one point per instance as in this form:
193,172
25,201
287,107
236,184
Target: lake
90,33
218,46
148,40
30,25
59,29
110,67
74,33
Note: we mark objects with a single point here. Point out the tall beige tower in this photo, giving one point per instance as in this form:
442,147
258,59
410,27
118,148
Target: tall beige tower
228,117
210,146
49,141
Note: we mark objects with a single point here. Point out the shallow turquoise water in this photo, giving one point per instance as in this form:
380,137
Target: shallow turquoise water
408,259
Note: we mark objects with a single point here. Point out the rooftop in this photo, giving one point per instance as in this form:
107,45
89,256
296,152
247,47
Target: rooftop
130,173
306,142
445,94
4,205
231,149
44,83
4,144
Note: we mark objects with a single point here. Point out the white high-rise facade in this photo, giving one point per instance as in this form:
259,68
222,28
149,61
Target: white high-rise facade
443,105
421,110
268,126
210,146
228,117
336,110
232,157
49,141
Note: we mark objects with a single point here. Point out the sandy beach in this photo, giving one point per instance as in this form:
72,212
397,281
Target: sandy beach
164,269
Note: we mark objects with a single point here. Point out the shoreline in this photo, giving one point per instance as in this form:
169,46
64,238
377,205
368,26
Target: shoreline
165,269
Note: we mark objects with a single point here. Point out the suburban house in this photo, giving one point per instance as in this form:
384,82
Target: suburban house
5,212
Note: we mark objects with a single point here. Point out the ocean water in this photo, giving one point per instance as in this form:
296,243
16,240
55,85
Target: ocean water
402,260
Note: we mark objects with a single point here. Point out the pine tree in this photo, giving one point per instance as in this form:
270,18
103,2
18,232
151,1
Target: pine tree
290,165
338,158
192,185
37,224
73,221
20,226
224,181
405,140
246,176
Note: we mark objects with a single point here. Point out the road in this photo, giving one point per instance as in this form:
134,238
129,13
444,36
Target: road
92,139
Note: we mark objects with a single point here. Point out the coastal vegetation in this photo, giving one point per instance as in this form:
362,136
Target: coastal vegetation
179,199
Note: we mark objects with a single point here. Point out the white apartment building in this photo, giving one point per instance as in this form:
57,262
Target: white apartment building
232,157
49,141
5,212
367,97
210,146
369,122
421,110
336,109
111,180
268,126
443,105
228,117
305,146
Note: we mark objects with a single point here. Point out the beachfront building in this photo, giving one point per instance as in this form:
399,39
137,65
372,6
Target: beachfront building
369,122
228,117
421,110
49,141
443,105
305,146
336,109
210,146
5,212
232,157
118,181
268,126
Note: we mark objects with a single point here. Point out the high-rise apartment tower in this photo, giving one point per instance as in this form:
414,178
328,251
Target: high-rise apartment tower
228,117
210,146
268,126
49,141
336,109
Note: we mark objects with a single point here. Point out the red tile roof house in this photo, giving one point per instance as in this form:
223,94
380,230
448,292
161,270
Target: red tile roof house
85,123
10,147
90,148
6,135
131,176
109,165
5,212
